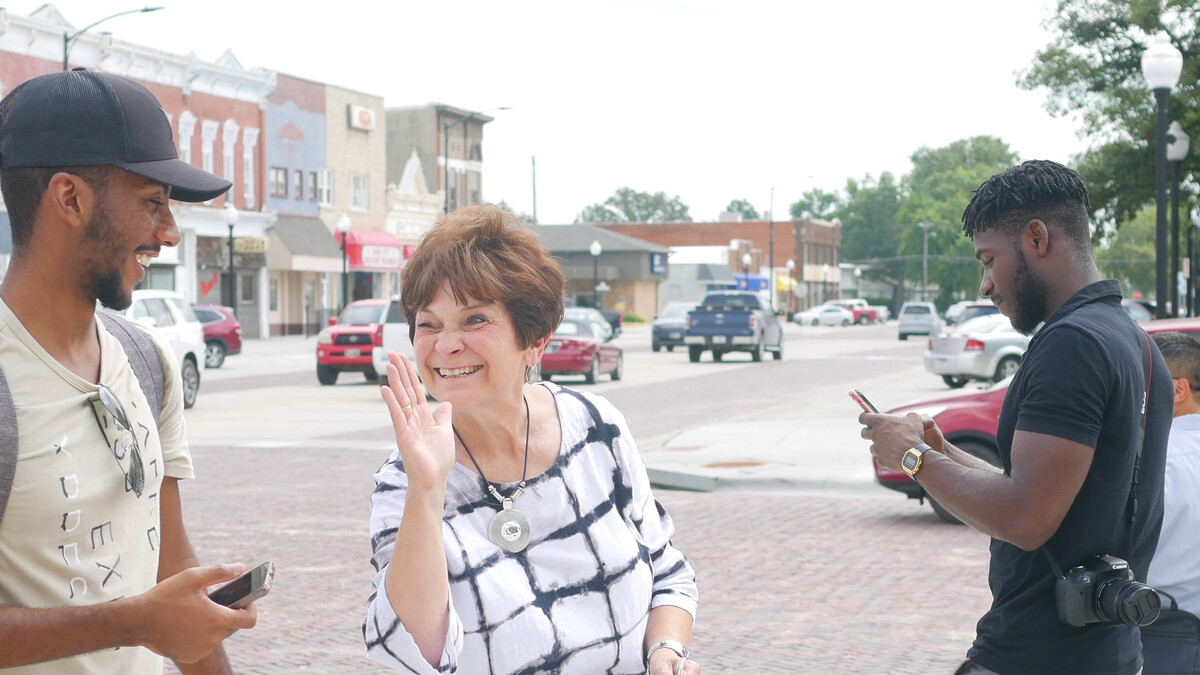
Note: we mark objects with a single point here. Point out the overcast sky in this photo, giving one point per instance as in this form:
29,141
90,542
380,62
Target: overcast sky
709,100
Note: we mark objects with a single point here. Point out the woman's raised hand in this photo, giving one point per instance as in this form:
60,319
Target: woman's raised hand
424,436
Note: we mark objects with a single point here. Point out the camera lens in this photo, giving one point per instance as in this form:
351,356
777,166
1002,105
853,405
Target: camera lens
1128,602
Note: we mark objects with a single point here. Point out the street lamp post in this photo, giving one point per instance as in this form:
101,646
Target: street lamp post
1161,65
343,226
925,227
1177,148
446,127
68,40
595,250
791,265
230,214
746,269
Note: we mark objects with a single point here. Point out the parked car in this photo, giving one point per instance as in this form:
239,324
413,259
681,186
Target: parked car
863,313
967,420
222,333
733,321
828,315
592,314
1187,326
984,348
582,347
667,329
918,318
394,339
883,313
170,315
614,320
348,344
1137,311
975,309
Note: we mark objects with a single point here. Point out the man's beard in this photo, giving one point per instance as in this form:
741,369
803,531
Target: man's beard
1029,296
103,280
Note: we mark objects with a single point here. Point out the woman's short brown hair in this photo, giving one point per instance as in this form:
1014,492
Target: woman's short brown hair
486,254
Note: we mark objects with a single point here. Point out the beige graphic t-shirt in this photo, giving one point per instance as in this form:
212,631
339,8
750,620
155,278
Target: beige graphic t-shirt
74,532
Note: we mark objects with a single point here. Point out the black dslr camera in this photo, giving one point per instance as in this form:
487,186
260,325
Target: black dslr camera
1102,590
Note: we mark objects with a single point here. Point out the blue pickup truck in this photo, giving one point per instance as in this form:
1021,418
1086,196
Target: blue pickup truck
733,321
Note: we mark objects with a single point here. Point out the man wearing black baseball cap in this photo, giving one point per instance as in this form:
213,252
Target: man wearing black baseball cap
96,570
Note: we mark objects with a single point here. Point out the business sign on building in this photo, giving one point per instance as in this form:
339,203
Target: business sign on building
658,263
360,117
250,245
387,257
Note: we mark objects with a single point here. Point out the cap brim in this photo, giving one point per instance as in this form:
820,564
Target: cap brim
188,183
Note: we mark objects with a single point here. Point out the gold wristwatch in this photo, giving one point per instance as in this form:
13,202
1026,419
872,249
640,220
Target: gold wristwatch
911,463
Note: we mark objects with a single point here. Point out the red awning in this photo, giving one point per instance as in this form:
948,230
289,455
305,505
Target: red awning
372,250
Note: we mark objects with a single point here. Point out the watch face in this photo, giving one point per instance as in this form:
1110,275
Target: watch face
911,461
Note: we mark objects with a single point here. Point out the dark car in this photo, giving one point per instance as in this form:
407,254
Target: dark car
668,328
222,333
582,347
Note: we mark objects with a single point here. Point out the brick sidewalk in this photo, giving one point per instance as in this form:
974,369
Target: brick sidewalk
789,583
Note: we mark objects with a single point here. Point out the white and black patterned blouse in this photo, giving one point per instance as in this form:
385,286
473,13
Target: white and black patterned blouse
577,599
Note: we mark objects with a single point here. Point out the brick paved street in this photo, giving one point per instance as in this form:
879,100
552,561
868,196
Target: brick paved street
790,583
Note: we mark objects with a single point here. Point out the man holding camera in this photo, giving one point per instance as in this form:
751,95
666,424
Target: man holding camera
1074,514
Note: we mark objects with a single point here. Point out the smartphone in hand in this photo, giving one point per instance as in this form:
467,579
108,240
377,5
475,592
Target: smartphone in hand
250,586
863,401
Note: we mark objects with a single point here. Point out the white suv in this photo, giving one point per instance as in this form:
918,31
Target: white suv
170,315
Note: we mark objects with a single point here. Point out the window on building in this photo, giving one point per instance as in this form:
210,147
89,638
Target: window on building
325,187
298,184
229,137
312,185
249,142
208,137
360,192
187,129
274,294
248,283
279,184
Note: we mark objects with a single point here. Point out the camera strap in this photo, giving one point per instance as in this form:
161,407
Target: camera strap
1137,461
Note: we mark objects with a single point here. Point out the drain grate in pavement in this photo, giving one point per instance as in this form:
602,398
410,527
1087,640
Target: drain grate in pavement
733,465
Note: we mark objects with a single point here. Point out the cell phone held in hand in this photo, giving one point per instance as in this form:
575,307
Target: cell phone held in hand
863,401
250,586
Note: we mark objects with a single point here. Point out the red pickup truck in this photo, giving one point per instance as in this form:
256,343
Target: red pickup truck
863,313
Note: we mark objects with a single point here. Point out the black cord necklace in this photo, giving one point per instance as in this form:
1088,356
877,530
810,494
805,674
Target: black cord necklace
509,528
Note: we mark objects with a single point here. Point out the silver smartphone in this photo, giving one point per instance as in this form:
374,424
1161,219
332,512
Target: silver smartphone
250,586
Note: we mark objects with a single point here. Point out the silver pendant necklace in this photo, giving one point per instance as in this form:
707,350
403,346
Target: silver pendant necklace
509,528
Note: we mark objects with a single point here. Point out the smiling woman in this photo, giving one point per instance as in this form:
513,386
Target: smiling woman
513,509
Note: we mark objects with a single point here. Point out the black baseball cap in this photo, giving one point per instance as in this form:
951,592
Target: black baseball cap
86,118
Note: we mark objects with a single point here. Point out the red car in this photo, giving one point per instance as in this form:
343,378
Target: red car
968,420
582,347
346,345
222,333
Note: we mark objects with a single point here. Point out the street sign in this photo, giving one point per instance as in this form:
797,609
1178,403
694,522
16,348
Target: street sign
250,245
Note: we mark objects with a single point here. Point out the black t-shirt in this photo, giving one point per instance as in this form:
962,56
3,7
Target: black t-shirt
1082,379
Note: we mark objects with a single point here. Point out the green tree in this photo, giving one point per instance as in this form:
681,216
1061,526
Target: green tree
937,191
1128,254
743,207
630,206
870,231
1093,68
525,218
818,202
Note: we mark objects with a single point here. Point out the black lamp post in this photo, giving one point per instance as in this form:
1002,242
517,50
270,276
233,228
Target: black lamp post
595,250
343,226
68,40
1177,148
230,214
1161,65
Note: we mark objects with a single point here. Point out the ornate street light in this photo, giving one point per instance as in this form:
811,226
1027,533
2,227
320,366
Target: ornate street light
1161,65
230,214
69,40
595,249
343,226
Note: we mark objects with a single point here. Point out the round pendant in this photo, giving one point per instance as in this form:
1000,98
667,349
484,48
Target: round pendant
510,530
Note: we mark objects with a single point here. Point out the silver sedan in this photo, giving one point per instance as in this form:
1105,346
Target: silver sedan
983,348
